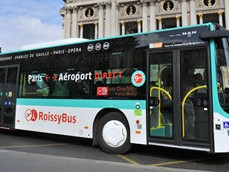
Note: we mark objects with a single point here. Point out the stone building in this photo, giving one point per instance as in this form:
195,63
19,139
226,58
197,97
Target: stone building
93,19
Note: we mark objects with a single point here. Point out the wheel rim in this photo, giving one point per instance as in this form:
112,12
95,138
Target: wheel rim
114,133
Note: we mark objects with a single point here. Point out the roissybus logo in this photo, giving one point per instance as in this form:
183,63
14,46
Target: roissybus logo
34,115
31,115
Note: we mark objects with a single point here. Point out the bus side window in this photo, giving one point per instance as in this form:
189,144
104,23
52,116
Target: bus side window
44,90
60,89
31,85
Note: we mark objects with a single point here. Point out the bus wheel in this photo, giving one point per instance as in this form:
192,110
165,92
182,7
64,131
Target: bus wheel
113,133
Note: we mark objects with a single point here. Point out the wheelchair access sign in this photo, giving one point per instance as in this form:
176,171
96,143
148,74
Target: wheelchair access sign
226,124
138,78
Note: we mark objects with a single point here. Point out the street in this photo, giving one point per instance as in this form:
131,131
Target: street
29,151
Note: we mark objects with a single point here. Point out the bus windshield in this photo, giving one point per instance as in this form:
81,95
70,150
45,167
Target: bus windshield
223,72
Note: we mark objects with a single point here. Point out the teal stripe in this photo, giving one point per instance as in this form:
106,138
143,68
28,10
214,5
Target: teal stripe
216,105
119,104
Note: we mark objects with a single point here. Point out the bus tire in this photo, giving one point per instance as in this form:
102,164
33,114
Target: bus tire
113,134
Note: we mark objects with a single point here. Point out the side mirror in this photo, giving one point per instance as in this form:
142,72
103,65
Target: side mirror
214,34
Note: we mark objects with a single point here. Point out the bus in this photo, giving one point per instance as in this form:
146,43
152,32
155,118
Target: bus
166,88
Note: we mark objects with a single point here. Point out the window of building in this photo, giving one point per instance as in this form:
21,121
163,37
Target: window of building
209,3
211,18
169,23
131,10
89,13
89,31
168,6
131,27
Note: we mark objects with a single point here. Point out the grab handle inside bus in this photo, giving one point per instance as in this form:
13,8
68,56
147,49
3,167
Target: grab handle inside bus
183,104
167,93
160,89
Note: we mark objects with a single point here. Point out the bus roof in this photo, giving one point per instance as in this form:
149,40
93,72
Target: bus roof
53,43
30,48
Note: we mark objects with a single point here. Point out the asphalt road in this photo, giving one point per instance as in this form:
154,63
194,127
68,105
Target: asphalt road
28,151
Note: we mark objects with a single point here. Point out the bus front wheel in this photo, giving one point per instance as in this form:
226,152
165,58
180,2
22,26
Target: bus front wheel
113,133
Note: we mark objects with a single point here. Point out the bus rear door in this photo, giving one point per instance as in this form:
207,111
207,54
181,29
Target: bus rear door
8,93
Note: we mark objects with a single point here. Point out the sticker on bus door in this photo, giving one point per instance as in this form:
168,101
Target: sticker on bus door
226,124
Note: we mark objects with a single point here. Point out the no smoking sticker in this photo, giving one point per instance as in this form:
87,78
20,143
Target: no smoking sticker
138,78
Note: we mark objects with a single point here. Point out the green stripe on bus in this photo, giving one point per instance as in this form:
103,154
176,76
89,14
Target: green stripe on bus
82,103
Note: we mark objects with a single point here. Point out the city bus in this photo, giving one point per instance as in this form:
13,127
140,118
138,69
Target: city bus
166,88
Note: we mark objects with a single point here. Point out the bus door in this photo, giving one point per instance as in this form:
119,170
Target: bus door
8,93
178,101
194,95
160,91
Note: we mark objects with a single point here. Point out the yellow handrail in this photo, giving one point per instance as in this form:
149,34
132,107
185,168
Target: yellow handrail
161,89
167,93
183,103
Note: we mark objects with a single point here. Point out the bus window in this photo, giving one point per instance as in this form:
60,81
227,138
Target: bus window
57,76
66,84
223,72
60,87
194,95
34,84
113,71
112,76
161,84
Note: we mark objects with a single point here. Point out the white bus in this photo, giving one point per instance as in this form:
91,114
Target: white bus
167,88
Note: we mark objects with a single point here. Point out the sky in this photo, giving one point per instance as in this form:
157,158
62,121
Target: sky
24,22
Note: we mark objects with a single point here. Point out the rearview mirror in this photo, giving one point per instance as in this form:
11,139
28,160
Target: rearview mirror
214,34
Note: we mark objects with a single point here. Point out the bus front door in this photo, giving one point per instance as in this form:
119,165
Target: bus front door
195,109
161,95
178,102
8,93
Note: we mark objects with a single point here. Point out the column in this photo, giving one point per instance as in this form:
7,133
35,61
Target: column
108,19
117,28
200,18
152,15
123,27
139,26
81,30
68,23
74,23
63,26
78,31
184,13
96,30
193,12
160,23
220,13
144,16
113,18
101,20
226,4
178,21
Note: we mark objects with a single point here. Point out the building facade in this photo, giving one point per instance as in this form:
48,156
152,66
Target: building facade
94,19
